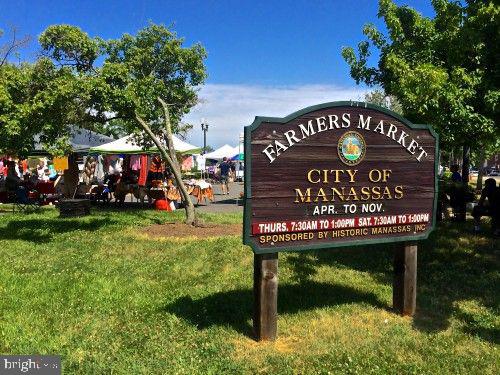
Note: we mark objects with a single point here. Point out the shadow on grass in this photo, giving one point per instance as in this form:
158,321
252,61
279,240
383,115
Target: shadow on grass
453,266
234,307
457,267
376,260
42,230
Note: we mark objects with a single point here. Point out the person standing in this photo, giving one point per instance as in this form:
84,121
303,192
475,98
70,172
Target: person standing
488,205
455,174
224,175
233,170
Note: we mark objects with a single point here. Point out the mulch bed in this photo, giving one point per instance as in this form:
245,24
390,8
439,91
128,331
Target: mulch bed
180,230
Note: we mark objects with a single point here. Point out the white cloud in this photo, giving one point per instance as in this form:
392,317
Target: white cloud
229,107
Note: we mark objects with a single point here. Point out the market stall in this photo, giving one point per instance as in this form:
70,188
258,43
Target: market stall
48,178
142,173
239,160
225,151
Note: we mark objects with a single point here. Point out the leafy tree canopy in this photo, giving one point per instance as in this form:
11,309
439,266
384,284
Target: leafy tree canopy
135,71
380,98
444,70
97,84
144,85
34,102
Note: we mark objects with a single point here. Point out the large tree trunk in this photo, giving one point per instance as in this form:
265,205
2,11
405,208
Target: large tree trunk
480,172
71,176
462,209
171,159
465,164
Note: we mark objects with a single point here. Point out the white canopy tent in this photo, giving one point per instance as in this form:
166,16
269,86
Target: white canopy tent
224,151
126,145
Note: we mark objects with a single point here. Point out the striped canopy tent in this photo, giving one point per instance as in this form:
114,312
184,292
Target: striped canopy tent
126,145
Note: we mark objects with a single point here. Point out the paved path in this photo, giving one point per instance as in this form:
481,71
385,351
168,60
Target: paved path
222,204
225,203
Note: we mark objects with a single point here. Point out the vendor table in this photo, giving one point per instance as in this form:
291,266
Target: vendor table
201,191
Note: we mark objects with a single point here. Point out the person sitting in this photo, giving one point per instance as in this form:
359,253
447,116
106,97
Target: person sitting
488,205
13,184
40,169
12,181
28,182
52,171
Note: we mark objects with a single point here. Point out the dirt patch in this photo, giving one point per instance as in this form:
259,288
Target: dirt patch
179,230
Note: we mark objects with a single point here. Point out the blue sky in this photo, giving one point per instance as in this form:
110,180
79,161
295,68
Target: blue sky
264,57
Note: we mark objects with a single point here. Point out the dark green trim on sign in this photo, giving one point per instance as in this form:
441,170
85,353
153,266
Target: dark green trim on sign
247,210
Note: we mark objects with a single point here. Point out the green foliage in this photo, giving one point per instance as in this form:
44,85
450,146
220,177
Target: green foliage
97,84
444,71
135,71
70,46
379,98
110,299
35,100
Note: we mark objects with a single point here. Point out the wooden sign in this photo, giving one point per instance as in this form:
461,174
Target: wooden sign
338,174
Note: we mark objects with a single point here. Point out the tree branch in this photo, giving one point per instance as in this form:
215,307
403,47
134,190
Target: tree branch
168,129
171,160
12,46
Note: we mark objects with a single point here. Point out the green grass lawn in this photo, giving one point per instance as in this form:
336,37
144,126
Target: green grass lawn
111,300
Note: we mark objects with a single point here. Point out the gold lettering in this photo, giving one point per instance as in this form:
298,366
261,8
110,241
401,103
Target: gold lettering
387,192
321,193
365,193
339,194
398,192
386,174
378,176
309,176
303,197
352,174
352,193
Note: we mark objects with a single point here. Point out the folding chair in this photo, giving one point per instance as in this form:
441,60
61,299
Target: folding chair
22,201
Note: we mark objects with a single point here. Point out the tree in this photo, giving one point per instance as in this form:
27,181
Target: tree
381,99
12,45
444,71
208,149
480,157
37,102
145,84
34,106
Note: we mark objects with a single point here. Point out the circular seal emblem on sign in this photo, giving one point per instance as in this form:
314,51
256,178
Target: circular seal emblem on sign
351,148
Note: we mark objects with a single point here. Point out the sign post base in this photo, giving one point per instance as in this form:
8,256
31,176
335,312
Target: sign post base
265,289
404,293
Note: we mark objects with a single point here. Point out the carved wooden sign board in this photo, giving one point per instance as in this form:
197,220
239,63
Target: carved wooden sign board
338,174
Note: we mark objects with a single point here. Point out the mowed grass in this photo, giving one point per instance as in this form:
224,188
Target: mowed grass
111,300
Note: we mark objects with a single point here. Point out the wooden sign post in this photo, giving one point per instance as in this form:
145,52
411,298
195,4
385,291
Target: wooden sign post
336,174
404,288
265,288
